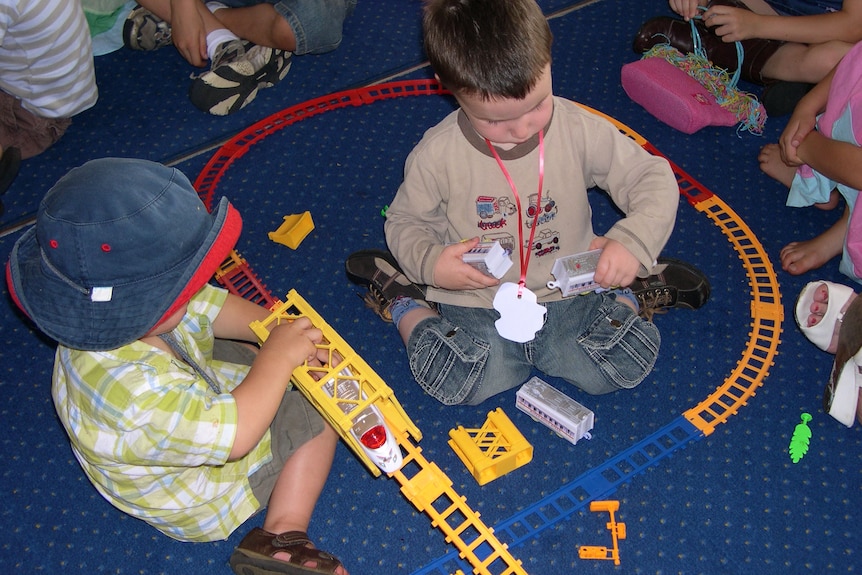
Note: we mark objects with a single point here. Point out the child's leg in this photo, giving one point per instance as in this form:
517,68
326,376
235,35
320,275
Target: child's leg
259,24
298,26
800,257
597,343
805,62
300,483
292,483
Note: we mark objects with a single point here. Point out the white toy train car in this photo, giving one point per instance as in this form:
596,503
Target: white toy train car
556,410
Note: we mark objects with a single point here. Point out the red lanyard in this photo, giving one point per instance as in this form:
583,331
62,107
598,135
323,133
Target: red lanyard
524,259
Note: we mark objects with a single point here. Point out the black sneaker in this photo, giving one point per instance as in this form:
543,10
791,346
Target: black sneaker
238,70
379,271
679,285
143,30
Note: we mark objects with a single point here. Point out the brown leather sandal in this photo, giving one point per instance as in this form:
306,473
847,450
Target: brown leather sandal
254,555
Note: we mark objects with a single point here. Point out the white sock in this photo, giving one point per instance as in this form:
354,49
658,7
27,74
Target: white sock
213,6
218,37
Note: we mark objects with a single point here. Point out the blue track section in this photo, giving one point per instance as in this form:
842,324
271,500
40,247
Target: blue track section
596,484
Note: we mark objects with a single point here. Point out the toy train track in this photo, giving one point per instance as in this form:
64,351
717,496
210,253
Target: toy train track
482,551
422,482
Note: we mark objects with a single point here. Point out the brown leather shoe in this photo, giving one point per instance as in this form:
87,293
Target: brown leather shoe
677,33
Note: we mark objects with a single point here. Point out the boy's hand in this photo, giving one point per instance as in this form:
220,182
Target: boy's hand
732,24
617,265
452,273
188,32
292,343
686,8
798,127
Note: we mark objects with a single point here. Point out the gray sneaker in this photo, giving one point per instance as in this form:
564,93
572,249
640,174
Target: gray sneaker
239,69
143,30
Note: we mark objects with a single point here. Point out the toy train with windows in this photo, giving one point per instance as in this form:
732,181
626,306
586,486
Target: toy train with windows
555,410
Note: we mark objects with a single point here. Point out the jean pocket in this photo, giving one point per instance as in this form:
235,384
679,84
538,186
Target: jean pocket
448,363
622,345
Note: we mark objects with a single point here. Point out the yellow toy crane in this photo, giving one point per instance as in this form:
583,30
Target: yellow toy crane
344,390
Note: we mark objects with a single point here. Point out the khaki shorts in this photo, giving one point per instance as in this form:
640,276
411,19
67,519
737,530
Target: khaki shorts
295,423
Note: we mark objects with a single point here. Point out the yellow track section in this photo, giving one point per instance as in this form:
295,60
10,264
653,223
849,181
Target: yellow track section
422,482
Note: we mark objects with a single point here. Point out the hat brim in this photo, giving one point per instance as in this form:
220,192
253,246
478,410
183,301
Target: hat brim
73,320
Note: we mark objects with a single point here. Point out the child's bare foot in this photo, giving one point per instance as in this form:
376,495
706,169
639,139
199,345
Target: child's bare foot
773,166
800,257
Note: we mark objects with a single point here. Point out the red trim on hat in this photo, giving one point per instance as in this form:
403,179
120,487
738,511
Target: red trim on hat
216,255
11,286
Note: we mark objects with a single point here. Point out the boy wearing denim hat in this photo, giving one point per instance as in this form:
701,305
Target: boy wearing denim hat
514,164
172,420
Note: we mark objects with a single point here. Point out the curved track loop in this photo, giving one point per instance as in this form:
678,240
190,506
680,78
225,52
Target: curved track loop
767,315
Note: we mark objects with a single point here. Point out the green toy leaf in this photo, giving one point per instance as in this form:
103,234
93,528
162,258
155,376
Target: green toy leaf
800,440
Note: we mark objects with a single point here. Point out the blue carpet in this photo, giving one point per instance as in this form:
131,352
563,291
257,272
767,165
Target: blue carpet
732,502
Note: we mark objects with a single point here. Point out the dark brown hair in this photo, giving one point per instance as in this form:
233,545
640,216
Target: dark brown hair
487,48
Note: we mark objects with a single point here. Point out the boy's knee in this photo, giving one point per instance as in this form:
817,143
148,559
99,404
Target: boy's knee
623,346
317,24
447,362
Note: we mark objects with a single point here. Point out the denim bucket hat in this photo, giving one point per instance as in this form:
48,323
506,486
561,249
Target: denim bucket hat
119,245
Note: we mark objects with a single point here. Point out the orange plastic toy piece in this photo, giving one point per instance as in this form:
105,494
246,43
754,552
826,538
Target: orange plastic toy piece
618,531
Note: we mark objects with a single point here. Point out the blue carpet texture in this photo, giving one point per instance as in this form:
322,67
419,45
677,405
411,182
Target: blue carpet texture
731,502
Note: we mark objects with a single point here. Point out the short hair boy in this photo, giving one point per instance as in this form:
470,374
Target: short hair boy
515,162
189,433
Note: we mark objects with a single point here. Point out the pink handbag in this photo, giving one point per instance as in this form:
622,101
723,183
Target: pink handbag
672,96
687,93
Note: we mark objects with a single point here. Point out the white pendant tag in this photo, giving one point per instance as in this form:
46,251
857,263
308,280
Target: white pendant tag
520,318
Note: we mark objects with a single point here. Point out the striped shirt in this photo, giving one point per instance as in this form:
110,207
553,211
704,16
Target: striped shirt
153,437
46,59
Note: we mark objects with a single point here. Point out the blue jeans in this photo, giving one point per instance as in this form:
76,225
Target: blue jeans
591,341
317,24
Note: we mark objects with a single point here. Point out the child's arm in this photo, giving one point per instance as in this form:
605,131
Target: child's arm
734,24
837,160
235,316
259,395
188,30
804,120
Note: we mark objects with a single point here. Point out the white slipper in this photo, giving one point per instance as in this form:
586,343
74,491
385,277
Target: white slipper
841,395
824,331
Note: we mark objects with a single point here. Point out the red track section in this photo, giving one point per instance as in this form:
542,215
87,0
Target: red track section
238,146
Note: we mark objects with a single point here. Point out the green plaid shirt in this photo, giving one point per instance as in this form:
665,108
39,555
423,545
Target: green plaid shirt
153,437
